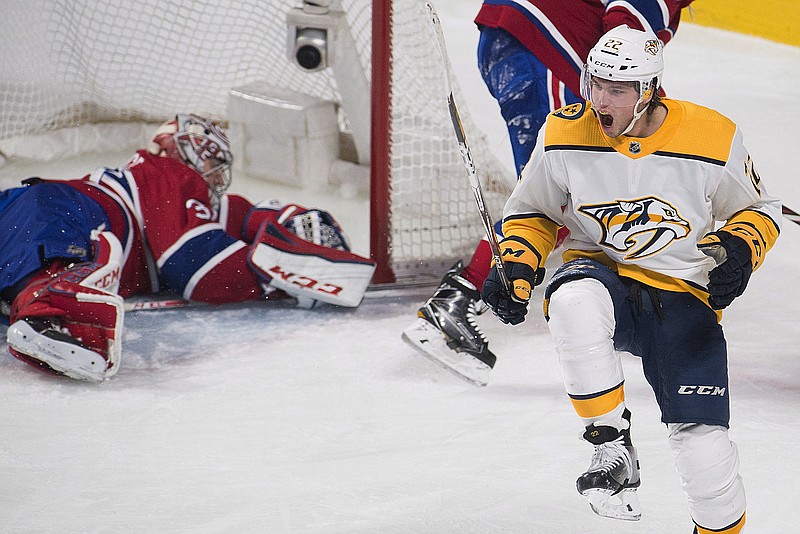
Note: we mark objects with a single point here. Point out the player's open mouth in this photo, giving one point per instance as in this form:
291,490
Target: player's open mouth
605,119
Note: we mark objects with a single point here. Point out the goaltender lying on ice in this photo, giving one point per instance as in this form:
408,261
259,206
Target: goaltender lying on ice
73,249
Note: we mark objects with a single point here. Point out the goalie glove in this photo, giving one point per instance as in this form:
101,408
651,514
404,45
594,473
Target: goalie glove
317,226
512,307
314,225
729,278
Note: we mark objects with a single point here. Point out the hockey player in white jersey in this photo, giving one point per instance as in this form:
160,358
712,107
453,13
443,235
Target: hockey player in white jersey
668,218
530,54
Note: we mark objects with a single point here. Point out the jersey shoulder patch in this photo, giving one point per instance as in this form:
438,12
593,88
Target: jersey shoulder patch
572,126
570,112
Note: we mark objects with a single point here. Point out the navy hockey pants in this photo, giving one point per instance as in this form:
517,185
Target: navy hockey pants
677,336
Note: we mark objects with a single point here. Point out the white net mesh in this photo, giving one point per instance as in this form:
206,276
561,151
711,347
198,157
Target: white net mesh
434,214
86,61
72,62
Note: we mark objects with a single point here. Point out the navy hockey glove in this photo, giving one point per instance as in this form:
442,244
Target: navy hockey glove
511,308
734,267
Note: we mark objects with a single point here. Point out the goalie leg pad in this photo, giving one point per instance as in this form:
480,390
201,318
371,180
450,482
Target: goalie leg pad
104,270
67,321
306,270
41,345
58,324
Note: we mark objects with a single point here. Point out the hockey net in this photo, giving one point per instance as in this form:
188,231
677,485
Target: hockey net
69,63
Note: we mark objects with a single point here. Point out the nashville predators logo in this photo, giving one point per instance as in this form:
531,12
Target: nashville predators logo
651,47
640,227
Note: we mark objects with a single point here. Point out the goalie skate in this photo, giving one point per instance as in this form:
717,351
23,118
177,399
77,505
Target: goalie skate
445,330
45,347
611,481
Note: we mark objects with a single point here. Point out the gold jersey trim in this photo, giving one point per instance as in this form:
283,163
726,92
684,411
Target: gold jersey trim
705,134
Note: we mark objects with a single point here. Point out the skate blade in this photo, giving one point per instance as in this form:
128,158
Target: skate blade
63,358
429,340
624,505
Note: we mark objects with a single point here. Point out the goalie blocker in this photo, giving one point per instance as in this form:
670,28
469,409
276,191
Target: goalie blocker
309,271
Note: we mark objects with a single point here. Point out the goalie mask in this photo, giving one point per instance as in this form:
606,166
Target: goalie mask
199,143
626,55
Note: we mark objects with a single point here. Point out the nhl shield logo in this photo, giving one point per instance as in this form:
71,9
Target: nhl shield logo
634,147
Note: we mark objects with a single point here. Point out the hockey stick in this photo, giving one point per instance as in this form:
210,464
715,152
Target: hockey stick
466,155
137,305
791,215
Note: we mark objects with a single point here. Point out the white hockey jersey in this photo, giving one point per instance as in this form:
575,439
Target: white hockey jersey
640,205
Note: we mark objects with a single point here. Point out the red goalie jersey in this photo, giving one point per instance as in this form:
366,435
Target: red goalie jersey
177,236
162,222
174,236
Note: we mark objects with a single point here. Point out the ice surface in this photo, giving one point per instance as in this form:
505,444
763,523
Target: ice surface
275,420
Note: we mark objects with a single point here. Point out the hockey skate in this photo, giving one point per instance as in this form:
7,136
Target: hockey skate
43,345
445,330
611,481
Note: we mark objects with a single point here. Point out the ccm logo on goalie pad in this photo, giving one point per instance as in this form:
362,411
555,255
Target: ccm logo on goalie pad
305,269
303,281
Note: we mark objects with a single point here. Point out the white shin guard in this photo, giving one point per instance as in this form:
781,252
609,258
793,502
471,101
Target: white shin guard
582,325
708,464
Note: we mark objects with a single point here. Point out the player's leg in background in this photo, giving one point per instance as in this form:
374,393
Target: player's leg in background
446,332
519,82
526,91
445,329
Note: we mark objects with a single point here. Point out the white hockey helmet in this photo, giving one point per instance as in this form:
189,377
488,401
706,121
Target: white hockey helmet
200,143
624,54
